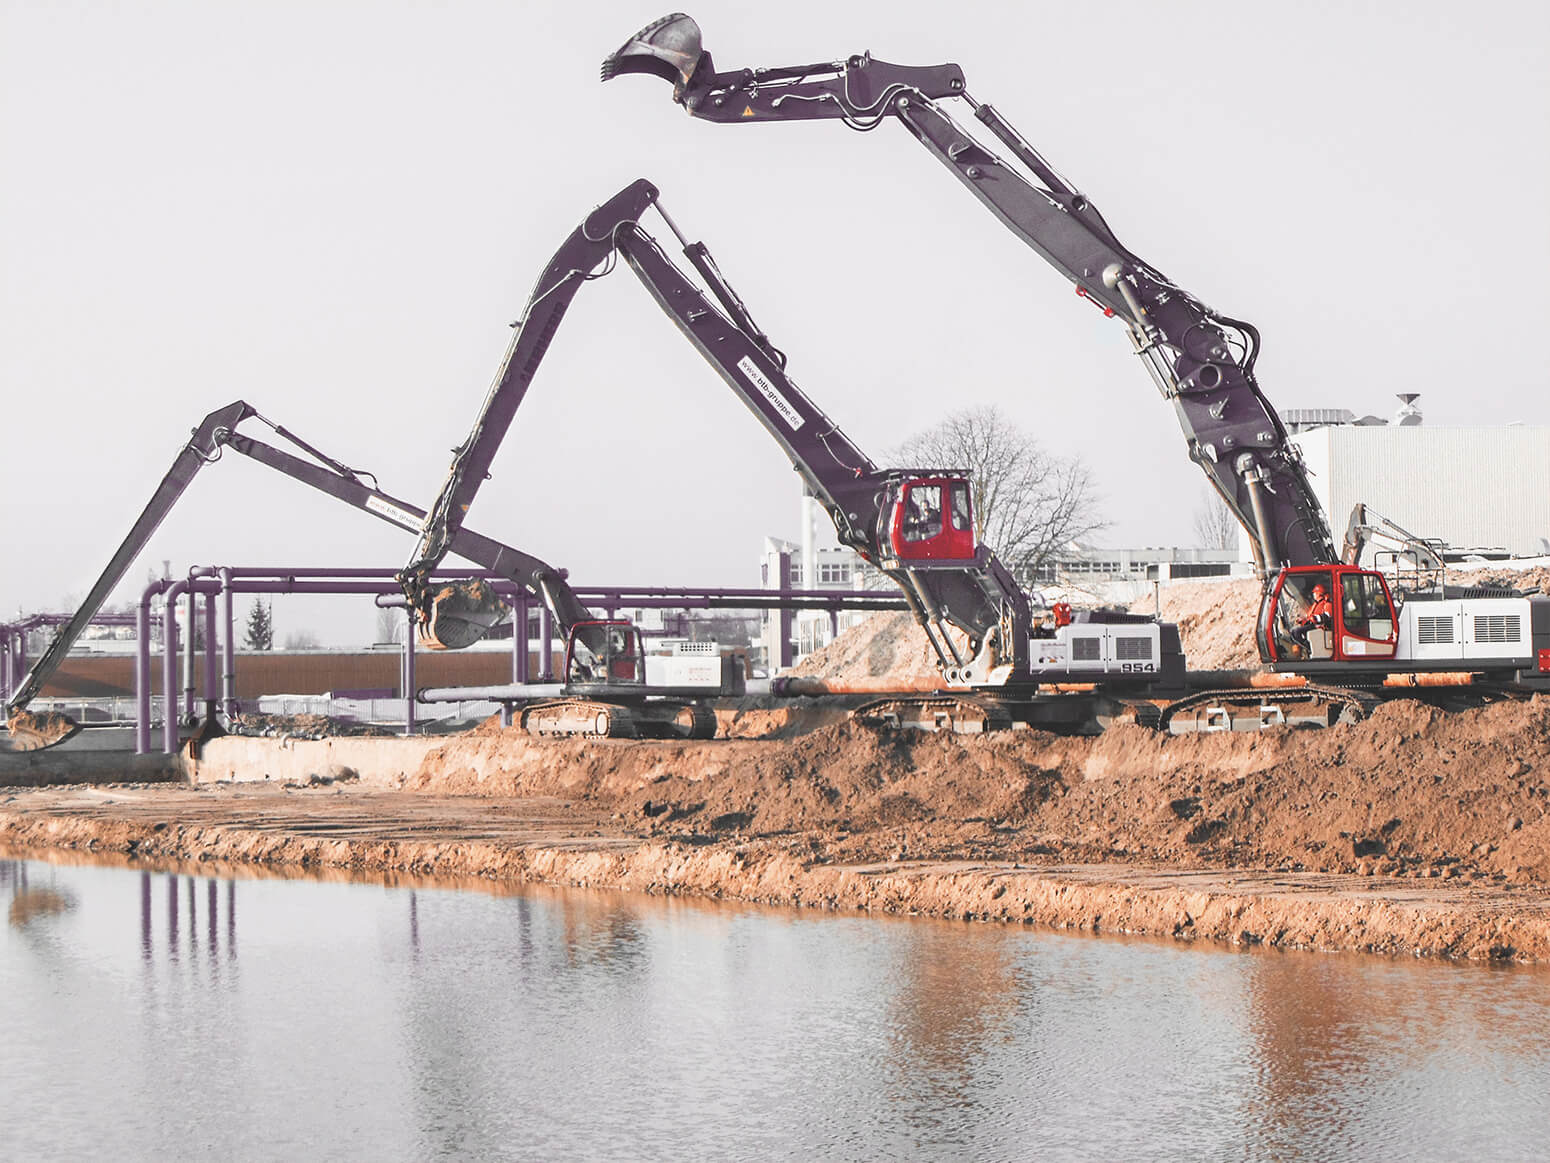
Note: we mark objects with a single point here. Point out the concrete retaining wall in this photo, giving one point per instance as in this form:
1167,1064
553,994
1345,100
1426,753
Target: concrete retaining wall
375,762
41,768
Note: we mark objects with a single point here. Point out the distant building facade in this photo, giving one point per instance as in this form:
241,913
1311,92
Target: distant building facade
1472,488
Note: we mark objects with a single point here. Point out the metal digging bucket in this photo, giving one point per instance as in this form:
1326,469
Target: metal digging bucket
667,48
461,614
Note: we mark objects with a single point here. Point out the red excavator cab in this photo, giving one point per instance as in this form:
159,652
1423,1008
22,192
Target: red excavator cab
604,652
931,520
1329,613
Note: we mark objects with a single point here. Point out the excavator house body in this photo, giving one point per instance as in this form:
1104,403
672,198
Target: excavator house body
1502,635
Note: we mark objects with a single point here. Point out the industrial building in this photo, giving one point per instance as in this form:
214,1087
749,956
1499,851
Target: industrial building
1479,490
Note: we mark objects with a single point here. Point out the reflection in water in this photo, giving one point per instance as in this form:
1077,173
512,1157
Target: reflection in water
416,1022
29,903
173,918
145,917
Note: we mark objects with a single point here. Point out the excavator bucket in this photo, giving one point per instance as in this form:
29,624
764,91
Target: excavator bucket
460,614
27,731
668,48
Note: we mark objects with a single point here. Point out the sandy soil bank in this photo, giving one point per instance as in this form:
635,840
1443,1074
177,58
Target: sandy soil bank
1414,832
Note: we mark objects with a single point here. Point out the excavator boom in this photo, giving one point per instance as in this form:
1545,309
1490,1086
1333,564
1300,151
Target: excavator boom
218,432
970,605
1200,360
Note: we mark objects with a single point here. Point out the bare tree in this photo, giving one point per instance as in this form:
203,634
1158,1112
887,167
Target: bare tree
1028,501
390,626
302,640
1215,525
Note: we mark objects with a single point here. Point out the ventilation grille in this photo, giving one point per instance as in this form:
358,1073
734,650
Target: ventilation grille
1132,649
1498,628
1434,631
1084,650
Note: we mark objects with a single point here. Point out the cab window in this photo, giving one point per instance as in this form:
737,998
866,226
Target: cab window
962,511
1364,607
1296,604
923,516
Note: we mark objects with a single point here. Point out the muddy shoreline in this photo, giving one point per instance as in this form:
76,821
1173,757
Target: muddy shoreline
298,831
1412,834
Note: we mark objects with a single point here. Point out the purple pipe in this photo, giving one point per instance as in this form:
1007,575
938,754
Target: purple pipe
212,665
228,649
233,580
143,667
169,666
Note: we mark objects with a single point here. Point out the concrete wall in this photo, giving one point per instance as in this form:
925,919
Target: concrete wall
374,762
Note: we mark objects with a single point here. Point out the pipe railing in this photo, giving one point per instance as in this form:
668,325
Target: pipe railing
225,582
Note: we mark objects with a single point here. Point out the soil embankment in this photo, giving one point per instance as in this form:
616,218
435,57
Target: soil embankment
1413,832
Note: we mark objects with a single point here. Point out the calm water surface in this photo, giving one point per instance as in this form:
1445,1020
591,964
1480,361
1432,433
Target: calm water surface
155,1015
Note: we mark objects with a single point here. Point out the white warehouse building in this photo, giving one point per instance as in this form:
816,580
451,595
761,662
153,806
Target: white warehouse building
1472,488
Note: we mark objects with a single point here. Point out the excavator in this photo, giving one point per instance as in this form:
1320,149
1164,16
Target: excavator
604,658
915,525
1364,638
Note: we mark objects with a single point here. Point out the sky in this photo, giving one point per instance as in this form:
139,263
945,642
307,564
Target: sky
334,209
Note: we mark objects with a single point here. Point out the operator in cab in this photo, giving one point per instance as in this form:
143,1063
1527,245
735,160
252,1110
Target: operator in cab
1319,615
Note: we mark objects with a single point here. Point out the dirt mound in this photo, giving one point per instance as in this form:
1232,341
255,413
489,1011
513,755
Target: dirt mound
890,644
1410,791
1534,578
1215,619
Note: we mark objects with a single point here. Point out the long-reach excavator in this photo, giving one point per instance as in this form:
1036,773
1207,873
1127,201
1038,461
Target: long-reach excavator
1322,618
604,659
915,525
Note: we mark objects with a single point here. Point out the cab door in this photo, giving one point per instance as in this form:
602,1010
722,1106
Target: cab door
1367,627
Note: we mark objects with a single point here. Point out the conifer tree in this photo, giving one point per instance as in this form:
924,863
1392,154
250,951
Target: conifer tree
260,630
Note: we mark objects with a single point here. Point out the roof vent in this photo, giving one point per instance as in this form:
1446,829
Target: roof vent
1408,416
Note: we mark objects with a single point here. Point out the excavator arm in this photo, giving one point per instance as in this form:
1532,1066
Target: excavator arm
1200,360
972,593
218,432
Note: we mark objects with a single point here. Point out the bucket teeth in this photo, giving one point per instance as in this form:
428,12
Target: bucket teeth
668,48
460,614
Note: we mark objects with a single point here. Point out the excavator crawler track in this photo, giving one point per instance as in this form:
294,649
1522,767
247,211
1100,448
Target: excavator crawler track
1138,711
1259,710
584,717
960,715
669,719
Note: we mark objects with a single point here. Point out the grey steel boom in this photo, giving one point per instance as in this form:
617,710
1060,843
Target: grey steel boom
1201,361
977,596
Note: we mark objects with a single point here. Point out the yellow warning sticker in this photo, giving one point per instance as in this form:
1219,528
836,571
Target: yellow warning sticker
747,110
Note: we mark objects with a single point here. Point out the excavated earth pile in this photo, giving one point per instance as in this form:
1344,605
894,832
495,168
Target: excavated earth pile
1412,791
1415,831
1412,832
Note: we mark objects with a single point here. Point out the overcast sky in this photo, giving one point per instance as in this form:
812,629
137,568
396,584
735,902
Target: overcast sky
334,209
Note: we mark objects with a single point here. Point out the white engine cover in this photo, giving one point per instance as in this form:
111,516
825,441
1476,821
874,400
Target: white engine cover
690,664
1100,649
1465,630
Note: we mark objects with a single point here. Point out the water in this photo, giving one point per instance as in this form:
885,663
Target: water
192,1017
